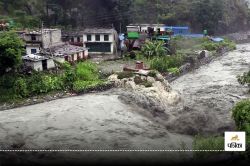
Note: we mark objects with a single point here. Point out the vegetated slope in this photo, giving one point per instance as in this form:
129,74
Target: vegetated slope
216,16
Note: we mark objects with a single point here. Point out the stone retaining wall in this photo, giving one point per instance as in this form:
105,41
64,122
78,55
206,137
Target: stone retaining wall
239,37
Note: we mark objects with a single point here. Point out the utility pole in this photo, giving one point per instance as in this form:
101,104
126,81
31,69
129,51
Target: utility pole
42,36
157,8
120,27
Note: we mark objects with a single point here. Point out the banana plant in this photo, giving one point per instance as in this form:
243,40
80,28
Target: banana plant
154,49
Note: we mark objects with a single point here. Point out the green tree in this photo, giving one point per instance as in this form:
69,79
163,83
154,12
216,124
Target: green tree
241,115
11,49
208,13
244,79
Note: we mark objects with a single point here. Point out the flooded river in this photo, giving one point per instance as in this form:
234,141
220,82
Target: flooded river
103,121
209,93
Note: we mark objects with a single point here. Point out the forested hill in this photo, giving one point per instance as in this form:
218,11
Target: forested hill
215,15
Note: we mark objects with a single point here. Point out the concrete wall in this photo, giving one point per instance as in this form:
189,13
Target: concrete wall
60,59
28,49
28,38
51,64
37,66
52,38
86,53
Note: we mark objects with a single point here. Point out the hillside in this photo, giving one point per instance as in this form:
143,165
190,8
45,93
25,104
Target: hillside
218,16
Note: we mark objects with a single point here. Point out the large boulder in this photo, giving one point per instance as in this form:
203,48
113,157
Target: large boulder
204,54
138,80
130,85
151,79
185,68
159,77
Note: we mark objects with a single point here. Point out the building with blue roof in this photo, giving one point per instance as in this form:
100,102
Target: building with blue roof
178,30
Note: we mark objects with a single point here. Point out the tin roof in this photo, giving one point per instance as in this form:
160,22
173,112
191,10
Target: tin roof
176,27
99,31
34,57
65,50
72,33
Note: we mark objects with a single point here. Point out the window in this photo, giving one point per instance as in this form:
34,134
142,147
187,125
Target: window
106,37
89,38
97,38
33,37
33,51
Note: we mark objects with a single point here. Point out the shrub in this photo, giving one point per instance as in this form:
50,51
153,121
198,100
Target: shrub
7,81
175,71
162,64
241,115
159,64
20,87
244,79
69,75
44,83
214,46
210,46
7,95
87,71
50,83
80,86
125,74
147,84
153,73
209,143
85,75
229,44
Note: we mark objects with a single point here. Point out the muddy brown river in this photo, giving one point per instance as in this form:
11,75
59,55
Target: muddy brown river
103,122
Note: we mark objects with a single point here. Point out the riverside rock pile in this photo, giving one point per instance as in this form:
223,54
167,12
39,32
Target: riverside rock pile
156,98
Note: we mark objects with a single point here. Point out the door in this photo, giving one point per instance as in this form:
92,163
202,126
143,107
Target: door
45,64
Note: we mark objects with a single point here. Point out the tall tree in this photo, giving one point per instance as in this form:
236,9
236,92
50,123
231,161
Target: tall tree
11,49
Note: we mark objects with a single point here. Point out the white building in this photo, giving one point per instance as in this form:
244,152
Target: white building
42,39
38,63
144,27
101,41
33,42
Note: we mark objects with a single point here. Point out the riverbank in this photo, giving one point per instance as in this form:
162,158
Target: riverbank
107,121
194,62
207,95
115,119
53,96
